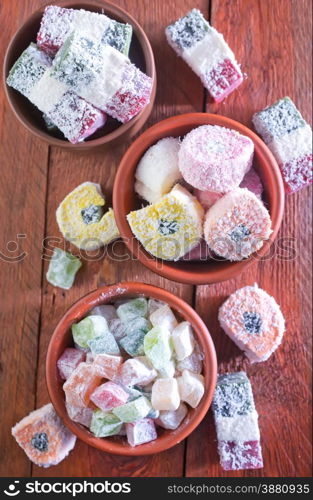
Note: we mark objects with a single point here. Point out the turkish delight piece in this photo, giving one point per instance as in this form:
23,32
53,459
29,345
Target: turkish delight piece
141,431
289,137
69,360
106,365
104,343
132,309
80,385
158,347
105,424
214,158
191,388
88,329
82,416
165,394
164,318
106,310
183,340
153,305
134,410
171,419
171,227
118,328
206,52
158,169
133,342
193,363
137,370
147,194
58,23
62,269
76,118
254,321
236,421
108,396
103,76
80,220
207,198
252,181
43,437
237,225
240,455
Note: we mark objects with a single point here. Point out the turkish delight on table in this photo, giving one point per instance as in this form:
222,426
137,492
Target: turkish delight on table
58,23
171,227
206,52
81,218
254,321
103,76
214,158
76,118
236,422
289,137
62,269
141,431
237,225
43,437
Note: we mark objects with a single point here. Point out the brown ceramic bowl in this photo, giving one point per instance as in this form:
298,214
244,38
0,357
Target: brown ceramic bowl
113,132
125,199
62,338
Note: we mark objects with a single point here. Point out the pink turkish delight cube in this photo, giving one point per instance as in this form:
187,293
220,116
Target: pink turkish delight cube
55,25
69,360
240,455
222,79
141,431
109,395
297,173
107,365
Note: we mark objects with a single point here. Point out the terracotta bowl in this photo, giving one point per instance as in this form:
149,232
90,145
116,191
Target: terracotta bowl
125,199
62,338
113,132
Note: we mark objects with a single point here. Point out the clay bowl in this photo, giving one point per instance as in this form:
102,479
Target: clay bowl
62,338
113,132
125,199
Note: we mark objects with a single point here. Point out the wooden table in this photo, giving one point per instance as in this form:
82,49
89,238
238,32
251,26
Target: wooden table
271,39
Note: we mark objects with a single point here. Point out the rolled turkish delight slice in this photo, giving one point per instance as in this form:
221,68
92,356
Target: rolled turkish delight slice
76,118
58,23
237,225
81,218
206,52
289,138
254,321
157,170
236,422
214,158
43,437
171,227
62,269
103,76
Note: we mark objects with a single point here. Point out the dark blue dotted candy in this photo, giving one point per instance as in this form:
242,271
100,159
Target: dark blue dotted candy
252,322
239,233
40,441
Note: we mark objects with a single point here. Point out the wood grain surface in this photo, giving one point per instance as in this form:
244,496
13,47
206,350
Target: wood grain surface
271,38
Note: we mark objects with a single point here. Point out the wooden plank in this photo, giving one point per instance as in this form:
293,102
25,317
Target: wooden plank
23,166
272,41
179,91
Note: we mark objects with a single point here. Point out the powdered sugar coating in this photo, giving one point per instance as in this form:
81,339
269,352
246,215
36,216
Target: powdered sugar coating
59,441
142,431
237,225
214,158
69,360
240,455
257,345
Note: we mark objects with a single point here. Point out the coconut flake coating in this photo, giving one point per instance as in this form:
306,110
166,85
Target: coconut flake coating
214,158
171,227
254,321
43,437
237,225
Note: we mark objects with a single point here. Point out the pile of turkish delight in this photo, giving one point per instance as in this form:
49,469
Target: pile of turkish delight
79,72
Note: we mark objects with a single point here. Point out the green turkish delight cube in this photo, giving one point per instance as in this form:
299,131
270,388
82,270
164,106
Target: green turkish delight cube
188,30
158,348
119,36
134,410
88,329
105,424
105,343
62,269
133,309
233,395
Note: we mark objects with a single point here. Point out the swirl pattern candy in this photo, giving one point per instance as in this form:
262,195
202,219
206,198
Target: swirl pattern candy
237,225
254,321
171,227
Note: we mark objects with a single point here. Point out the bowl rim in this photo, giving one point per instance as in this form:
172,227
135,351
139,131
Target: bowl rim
105,294
144,42
150,137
